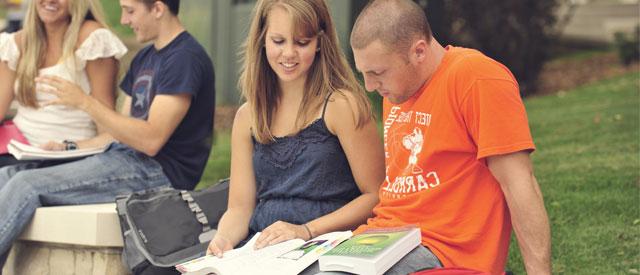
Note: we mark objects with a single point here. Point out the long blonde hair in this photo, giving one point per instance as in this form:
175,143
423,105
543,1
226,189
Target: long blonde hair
329,72
34,44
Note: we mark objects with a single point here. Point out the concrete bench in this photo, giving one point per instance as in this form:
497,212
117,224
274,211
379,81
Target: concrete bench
78,239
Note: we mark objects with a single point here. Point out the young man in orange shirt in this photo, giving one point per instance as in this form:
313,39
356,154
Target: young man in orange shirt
457,145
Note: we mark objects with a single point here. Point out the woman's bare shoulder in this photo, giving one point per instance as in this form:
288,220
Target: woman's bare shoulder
86,29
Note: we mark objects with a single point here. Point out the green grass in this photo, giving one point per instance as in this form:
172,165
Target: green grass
587,163
196,15
579,55
218,166
112,13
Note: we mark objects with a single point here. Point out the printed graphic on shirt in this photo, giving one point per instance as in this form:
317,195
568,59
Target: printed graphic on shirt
413,143
406,174
142,95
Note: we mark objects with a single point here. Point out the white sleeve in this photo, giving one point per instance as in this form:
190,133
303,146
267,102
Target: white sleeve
9,50
101,43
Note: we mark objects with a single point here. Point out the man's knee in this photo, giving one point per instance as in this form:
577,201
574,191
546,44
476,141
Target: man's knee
7,173
18,183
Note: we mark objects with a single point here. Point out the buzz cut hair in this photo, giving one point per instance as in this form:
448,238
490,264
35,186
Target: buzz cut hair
395,23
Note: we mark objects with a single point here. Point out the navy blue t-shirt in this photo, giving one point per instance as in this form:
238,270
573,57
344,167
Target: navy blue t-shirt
181,67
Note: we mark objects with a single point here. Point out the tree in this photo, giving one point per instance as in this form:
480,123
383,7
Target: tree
518,33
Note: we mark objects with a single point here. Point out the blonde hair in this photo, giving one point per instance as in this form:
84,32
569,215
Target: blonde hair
34,44
329,72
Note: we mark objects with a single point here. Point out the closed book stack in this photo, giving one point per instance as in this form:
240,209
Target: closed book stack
372,252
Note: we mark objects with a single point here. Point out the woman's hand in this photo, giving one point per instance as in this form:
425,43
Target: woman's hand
68,93
53,146
218,245
279,232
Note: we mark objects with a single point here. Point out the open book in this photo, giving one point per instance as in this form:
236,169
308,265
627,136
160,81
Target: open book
371,252
23,151
290,257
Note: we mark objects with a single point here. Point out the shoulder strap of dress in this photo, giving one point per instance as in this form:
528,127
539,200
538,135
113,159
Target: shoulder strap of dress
326,101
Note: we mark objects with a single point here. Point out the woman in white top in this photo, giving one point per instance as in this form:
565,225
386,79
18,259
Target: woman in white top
68,39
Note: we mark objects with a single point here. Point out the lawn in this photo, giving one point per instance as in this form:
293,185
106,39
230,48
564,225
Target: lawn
219,160
587,163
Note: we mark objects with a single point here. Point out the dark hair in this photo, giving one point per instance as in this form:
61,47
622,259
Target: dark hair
174,5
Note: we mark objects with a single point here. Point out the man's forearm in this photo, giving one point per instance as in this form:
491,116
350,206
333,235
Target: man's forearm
514,173
131,131
531,225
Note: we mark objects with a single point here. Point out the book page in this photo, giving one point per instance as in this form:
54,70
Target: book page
290,257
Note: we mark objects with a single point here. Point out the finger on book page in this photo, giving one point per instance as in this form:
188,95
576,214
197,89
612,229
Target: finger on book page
279,239
217,246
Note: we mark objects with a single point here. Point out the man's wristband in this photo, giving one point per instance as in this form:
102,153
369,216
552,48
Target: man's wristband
69,145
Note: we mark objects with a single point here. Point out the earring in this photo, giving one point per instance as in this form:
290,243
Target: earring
318,49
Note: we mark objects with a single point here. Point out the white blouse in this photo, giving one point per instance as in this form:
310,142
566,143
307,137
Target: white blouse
57,122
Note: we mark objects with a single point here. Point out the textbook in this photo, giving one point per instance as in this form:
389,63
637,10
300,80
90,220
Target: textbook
9,131
289,257
372,252
23,151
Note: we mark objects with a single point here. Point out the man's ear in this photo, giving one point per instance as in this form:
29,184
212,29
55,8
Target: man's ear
158,9
419,50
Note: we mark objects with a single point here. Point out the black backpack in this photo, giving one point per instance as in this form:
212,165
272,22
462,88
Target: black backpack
168,227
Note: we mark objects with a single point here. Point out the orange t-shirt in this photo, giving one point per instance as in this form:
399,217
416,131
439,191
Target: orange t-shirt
435,148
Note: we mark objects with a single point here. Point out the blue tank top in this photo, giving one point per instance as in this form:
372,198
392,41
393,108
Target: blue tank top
301,177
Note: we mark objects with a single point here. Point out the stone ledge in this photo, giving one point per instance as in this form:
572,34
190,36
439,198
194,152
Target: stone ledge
89,225
74,239
35,258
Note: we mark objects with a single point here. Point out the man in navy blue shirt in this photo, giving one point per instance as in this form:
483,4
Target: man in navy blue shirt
168,110
161,138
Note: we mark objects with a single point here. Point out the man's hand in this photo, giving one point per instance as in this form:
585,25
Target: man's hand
53,146
68,93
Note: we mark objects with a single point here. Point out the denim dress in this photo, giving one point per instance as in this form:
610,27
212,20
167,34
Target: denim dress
301,177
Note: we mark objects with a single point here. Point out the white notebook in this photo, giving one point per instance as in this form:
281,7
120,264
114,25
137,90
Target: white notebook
23,151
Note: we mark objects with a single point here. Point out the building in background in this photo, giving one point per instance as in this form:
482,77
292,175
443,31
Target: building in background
596,21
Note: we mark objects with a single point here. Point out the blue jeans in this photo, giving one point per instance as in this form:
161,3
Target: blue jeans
96,179
418,259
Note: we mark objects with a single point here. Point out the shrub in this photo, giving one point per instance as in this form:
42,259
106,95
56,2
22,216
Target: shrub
628,47
519,34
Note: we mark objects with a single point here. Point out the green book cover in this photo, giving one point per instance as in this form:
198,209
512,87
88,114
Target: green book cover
367,245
